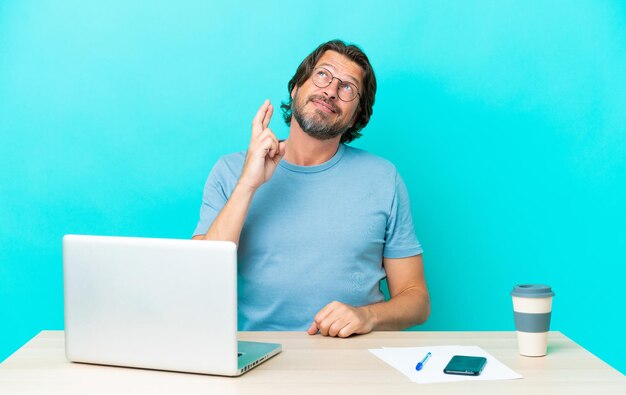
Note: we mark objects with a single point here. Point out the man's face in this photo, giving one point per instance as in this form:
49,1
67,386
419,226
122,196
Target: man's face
319,111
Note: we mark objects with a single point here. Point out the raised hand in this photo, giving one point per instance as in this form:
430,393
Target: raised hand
264,151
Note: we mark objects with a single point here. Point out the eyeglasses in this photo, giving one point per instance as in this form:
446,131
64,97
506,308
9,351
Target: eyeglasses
346,91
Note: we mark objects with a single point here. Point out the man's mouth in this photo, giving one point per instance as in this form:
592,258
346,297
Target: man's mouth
324,106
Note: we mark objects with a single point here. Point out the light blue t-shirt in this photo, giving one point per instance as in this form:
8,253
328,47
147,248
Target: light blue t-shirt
313,234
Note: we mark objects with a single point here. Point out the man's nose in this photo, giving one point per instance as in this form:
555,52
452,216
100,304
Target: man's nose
331,90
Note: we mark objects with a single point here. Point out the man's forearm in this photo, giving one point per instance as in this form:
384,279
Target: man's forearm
263,155
229,222
409,308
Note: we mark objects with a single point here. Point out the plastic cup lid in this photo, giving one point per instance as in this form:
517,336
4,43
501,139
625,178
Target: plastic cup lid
532,291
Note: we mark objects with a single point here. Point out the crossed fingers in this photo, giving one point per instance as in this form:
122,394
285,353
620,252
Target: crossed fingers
261,134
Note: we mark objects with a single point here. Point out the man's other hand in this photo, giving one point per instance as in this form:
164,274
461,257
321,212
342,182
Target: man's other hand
342,320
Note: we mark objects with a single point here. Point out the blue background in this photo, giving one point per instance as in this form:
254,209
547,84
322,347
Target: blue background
506,120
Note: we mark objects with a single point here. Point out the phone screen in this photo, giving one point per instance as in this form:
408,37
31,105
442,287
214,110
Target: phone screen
465,365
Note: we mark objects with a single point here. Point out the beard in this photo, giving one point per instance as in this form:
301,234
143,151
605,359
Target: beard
318,123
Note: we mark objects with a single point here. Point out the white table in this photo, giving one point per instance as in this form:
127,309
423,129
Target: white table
318,365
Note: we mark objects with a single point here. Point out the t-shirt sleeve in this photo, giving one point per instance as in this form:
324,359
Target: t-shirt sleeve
214,198
400,239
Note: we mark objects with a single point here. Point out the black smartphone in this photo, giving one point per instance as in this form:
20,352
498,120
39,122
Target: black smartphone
468,366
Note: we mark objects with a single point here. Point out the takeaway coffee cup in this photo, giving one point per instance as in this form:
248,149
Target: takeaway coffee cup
532,307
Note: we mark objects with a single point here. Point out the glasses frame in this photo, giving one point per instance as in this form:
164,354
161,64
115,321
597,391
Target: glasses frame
332,78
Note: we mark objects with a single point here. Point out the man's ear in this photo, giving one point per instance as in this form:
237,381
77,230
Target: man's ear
293,92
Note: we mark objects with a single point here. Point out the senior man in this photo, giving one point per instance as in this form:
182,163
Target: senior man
318,223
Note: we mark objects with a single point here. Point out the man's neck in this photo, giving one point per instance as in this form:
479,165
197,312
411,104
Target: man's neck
304,150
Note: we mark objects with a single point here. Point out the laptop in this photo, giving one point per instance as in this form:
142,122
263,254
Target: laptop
155,303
